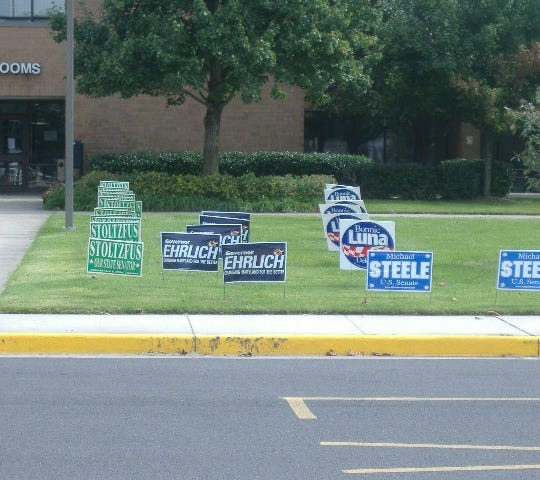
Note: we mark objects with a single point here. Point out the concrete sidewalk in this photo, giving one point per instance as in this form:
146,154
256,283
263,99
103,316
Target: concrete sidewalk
21,216
287,335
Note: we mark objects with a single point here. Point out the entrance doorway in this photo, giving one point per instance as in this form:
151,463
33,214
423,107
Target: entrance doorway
13,151
31,144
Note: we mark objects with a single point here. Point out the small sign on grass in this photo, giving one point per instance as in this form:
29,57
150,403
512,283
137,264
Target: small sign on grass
115,257
519,270
399,271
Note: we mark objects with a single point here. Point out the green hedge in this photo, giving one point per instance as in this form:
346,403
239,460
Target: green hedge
342,167
161,191
452,179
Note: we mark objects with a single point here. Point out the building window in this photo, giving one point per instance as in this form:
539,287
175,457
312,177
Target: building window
29,9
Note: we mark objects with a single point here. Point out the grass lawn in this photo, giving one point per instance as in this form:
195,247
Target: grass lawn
52,277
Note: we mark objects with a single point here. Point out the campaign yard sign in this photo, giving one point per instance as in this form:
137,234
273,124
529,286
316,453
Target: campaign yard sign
108,195
358,237
519,270
350,206
123,229
132,205
229,233
254,262
190,251
342,192
399,271
115,257
211,219
114,211
113,185
217,213
331,226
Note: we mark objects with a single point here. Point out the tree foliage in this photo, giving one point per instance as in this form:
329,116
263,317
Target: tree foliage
526,120
214,50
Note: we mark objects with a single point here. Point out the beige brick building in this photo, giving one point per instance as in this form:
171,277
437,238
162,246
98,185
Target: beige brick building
32,106
32,113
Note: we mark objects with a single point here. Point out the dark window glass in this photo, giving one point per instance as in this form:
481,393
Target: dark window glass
29,9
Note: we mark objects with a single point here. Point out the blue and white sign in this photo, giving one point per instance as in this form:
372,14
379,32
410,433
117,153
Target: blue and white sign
519,270
399,271
331,225
342,192
348,206
218,213
229,233
254,262
357,238
190,251
214,220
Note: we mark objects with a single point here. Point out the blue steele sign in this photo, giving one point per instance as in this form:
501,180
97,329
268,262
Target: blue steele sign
519,270
399,271
190,251
254,262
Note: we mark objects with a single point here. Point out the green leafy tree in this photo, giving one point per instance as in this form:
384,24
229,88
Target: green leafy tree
214,50
451,60
526,122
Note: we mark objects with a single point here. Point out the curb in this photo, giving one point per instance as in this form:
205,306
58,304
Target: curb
269,345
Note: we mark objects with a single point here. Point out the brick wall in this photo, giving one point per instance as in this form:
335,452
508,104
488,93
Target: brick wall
145,123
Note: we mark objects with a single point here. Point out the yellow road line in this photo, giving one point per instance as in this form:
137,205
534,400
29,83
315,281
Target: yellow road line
430,445
473,468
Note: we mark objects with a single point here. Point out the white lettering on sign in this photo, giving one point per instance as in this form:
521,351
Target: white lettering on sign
399,269
520,268
254,262
20,68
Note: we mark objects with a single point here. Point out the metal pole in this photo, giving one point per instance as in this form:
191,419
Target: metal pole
68,172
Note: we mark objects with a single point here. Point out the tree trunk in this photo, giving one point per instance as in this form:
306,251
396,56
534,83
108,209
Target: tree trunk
212,123
487,153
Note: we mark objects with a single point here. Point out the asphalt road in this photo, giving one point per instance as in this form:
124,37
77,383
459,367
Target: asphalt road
268,418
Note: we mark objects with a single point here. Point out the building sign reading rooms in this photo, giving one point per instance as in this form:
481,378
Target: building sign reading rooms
20,68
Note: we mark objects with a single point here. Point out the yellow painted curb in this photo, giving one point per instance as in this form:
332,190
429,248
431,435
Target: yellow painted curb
286,345
80,343
370,345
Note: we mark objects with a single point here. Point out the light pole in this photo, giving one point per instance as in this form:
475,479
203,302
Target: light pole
68,172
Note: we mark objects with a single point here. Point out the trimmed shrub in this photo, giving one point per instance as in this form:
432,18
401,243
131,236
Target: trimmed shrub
340,166
162,192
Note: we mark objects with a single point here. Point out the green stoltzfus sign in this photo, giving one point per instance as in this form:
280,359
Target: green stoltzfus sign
115,257
128,230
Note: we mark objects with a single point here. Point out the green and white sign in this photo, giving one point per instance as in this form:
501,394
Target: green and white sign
121,203
115,257
121,195
113,184
128,230
114,211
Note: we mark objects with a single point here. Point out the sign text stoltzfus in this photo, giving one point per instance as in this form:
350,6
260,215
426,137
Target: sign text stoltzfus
190,251
254,262
399,271
120,230
519,270
359,237
115,256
